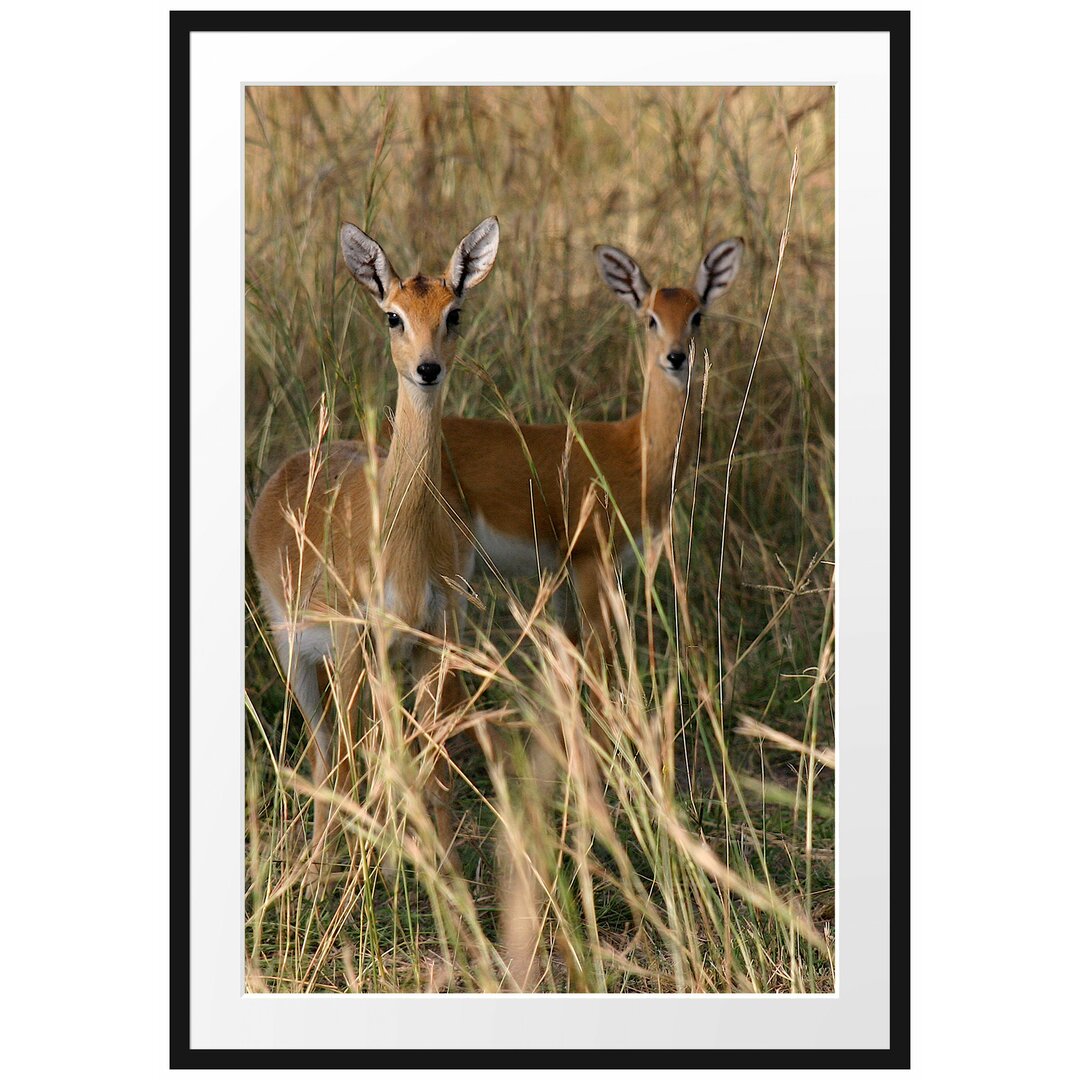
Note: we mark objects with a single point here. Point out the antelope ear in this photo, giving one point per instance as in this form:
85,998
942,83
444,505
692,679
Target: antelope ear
718,269
367,262
622,276
474,257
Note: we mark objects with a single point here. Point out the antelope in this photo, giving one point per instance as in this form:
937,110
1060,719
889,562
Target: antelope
531,492
335,534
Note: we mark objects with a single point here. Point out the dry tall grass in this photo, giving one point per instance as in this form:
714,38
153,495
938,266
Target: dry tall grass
695,852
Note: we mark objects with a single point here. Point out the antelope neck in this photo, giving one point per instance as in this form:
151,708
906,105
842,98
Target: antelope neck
413,463
671,416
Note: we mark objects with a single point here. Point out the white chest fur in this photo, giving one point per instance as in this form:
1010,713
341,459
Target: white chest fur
513,557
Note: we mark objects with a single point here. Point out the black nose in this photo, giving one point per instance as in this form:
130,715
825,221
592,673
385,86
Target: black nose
429,372
676,359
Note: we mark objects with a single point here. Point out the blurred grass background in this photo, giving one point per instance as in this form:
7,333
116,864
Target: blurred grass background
663,172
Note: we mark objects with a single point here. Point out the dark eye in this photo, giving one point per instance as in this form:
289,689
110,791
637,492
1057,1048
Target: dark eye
393,320
652,323
696,320
453,318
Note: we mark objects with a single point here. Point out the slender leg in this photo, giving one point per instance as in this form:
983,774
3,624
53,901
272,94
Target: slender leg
302,678
438,694
522,842
591,581
652,561
331,752
519,923
321,754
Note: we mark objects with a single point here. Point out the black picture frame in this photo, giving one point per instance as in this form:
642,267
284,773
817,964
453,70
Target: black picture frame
894,23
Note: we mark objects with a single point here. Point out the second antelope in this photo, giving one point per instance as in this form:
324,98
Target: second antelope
531,493
334,534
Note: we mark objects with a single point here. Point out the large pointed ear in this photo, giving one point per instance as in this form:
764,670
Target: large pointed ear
718,269
474,257
367,262
622,276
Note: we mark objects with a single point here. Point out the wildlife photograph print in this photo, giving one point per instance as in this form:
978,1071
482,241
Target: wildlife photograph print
539,460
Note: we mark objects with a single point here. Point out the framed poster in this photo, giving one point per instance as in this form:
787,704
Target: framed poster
548,703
